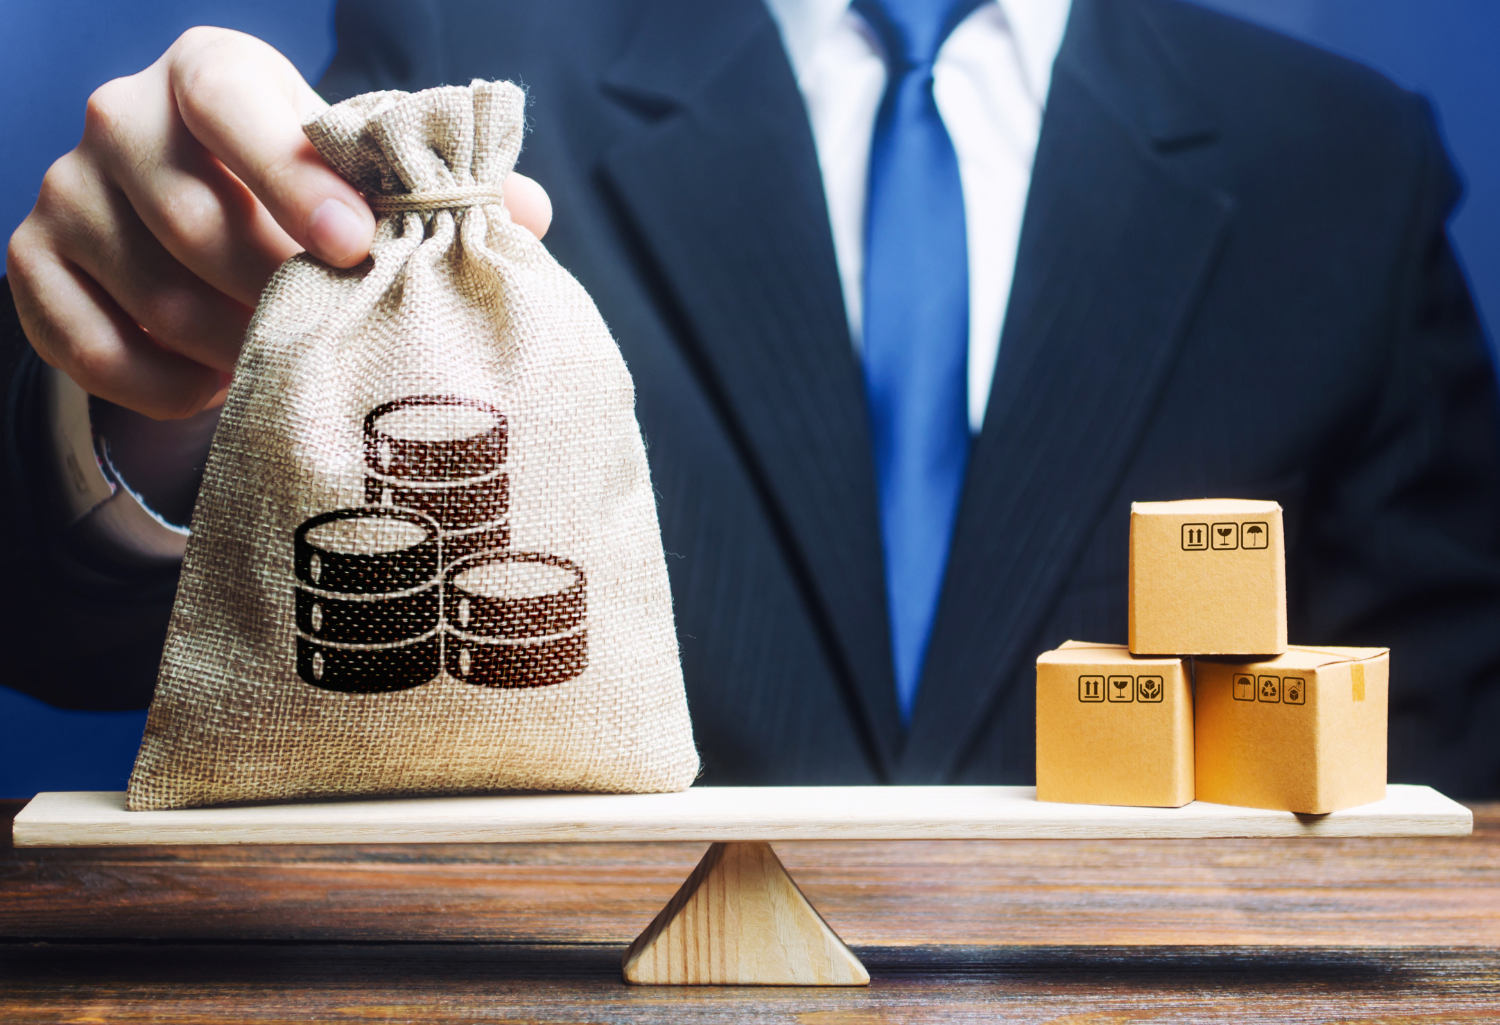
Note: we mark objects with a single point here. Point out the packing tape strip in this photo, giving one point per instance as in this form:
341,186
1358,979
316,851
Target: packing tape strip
447,459
459,505
533,662
487,615
375,620
367,572
370,670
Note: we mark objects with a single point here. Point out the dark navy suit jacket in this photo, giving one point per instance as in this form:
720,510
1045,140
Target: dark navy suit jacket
1233,281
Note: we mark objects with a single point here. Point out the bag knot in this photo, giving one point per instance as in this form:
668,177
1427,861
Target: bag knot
437,199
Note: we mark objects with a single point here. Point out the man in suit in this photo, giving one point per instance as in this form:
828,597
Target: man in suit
1231,279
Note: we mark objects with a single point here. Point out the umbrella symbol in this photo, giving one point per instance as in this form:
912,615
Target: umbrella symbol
1254,528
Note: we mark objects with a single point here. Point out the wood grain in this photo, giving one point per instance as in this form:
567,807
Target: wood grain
1340,892
740,920
1370,931
712,814
469,984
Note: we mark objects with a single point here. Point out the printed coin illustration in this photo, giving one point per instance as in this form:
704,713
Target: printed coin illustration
531,662
514,594
435,438
366,550
459,543
369,670
456,505
374,620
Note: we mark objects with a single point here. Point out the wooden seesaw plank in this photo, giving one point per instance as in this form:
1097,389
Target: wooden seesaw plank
99,818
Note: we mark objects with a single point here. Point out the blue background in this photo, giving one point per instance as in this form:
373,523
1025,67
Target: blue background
53,55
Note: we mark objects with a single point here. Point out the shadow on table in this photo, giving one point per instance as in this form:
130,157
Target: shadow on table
436,964
1174,966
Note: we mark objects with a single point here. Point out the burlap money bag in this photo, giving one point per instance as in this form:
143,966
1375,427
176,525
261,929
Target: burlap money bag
425,557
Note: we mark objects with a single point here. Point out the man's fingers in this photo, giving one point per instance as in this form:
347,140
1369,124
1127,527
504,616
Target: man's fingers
152,241
528,203
76,327
245,103
114,248
202,214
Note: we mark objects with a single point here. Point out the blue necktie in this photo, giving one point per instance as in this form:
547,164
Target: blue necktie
916,324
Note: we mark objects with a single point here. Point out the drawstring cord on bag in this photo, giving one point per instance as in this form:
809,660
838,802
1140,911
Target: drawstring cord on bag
437,199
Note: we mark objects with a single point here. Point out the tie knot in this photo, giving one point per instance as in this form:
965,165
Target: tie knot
912,31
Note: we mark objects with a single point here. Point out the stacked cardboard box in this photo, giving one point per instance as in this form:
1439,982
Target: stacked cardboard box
1209,700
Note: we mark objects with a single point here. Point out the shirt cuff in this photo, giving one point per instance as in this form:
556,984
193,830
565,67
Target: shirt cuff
98,501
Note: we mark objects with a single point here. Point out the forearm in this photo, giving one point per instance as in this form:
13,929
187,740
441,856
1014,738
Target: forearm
81,622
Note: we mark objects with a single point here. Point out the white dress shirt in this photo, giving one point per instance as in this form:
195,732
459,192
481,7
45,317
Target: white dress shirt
990,81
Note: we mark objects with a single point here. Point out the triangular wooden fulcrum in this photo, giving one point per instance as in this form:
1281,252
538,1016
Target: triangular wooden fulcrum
740,920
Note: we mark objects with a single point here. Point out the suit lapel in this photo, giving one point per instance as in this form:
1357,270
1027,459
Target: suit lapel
720,182
1114,252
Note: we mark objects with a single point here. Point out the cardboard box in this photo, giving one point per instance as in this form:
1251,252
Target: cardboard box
1113,729
1207,577
1303,732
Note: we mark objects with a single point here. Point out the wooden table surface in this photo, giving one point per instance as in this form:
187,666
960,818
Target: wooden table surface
1098,932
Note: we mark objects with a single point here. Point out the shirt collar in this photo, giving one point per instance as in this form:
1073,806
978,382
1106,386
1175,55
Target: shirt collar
1037,26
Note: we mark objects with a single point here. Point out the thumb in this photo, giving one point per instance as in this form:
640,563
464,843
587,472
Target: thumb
246,103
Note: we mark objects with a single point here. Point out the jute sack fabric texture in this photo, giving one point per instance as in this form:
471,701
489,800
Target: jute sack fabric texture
425,557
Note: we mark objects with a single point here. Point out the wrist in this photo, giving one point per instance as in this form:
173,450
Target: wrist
126,483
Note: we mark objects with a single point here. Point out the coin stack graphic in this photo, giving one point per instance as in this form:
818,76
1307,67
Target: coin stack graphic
368,600
445,457
515,619
422,578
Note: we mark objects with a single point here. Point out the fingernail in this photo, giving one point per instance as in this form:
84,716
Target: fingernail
337,234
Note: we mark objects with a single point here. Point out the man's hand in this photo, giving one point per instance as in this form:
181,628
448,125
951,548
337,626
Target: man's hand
137,272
